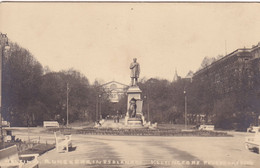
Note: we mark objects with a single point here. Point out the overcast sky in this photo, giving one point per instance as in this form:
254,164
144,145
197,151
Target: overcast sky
101,39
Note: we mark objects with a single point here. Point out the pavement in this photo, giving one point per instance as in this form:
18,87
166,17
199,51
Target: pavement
146,151
112,124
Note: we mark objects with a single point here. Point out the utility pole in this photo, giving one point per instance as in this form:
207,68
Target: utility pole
67,104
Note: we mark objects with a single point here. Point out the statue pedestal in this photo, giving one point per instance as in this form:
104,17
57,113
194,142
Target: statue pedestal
134,122
135,92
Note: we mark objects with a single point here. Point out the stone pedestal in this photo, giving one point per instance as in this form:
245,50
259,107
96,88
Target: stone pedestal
135,92
134,122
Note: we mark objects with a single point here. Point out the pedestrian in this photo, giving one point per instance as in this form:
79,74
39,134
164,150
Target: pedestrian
63,121
117,116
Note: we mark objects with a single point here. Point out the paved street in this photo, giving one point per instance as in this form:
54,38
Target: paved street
144,151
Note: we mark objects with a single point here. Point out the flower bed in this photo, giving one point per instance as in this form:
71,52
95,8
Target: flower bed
30,148
148,132
140,132
39,149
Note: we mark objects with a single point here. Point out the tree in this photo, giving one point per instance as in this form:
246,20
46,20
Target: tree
207,61
160,96
80,94
21,78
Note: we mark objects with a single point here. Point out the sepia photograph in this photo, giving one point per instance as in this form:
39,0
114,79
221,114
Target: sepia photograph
144,84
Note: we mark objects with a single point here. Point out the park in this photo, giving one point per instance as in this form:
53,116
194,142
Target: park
128,142
129,85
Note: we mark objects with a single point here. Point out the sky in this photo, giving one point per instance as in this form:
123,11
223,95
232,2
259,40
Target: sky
101,39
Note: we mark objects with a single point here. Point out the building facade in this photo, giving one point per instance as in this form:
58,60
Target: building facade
233,82
227,74
115,90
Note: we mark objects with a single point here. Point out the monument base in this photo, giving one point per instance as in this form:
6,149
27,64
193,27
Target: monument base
134,122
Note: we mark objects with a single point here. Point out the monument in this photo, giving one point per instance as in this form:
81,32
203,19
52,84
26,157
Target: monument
134,116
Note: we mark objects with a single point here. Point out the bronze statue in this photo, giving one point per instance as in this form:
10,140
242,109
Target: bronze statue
135,71
132,108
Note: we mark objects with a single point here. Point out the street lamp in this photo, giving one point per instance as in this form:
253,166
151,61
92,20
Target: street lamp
97,108
100,106
4,46
67,104
185,106
148,107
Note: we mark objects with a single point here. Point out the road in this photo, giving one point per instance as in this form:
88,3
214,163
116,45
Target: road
148,151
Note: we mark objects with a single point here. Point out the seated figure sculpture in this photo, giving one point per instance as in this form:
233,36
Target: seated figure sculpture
132,108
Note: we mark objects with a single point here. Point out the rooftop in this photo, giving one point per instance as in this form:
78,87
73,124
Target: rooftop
234,53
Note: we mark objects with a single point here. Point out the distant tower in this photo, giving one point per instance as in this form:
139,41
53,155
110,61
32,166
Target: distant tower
176,77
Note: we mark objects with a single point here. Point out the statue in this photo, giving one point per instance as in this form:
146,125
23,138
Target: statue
135,71
132,108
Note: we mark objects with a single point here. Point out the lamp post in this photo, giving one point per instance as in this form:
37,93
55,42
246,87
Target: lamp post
99,96
67,104
148,108
185,106
97,108
4,46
